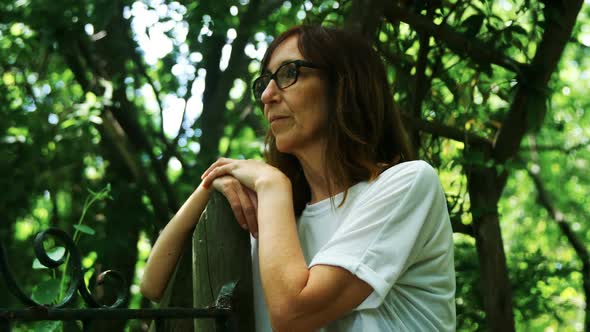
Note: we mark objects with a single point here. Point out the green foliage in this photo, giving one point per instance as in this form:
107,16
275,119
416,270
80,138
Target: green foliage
104,193
88,98
469,306
47,291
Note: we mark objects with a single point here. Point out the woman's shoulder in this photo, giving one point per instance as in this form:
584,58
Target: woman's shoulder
408,173
416,177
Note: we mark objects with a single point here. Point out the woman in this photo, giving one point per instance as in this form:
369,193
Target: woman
379,260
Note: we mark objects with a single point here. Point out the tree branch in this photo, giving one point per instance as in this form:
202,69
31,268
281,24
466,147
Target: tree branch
549,148
182,129
143,71
218,84
459,227
571,236
171,147
558,216
445,131
118,137
529,101
420,87
118,48
477,50
365,16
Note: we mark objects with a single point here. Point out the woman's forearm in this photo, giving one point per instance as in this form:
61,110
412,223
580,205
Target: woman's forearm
167,249
283,269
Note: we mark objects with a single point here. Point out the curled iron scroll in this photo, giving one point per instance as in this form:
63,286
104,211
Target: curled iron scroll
75,268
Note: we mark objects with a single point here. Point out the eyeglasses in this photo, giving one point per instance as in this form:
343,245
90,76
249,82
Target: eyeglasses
285,76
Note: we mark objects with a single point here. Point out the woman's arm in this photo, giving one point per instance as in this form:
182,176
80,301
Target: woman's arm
297,298
168,247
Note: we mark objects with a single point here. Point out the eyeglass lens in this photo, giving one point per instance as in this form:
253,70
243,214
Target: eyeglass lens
284,77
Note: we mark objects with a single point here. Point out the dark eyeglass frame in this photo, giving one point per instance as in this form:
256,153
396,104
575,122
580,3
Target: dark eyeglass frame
273,76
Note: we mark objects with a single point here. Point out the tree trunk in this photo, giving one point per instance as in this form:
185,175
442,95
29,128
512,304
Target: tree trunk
495,285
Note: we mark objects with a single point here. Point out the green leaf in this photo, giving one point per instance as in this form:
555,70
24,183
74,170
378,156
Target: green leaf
55,254
47,326
517,29
85,229
46,291
68,123
473,24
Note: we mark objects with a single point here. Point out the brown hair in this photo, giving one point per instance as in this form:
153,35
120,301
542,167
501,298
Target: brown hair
365,133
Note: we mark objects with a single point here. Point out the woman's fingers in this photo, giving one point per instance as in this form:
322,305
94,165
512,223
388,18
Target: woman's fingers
218,163
212,174
253,197
254,200
210,169
236,206
242,200
248,209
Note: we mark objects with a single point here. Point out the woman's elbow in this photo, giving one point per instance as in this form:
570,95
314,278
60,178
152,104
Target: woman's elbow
149,291
290,327
283,323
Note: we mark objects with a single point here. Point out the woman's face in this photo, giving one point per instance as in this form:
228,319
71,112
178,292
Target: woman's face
301,107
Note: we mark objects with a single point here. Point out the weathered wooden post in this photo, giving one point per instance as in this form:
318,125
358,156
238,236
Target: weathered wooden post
220,254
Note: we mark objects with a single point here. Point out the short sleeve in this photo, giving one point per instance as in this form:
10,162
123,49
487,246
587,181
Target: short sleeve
378,238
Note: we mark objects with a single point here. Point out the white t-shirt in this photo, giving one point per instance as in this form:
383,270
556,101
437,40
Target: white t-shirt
395,234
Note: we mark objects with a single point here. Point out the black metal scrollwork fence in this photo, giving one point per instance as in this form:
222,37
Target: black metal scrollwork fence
221,311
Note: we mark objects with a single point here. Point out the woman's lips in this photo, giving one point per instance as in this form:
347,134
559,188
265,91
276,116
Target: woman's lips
278,118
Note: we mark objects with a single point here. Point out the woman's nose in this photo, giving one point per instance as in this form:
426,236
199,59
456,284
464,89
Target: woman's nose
271,93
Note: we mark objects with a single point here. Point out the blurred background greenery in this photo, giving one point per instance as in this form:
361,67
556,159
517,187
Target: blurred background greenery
125,103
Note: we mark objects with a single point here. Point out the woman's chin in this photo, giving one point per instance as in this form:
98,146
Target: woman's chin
284,146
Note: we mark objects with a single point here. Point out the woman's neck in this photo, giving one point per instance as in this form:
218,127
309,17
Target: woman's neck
312,163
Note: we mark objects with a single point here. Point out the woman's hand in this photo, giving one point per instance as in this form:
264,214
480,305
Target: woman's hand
242,200
240,182
250,173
